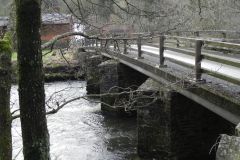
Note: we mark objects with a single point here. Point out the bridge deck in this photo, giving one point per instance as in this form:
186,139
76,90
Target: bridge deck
153,58
220,68
219,96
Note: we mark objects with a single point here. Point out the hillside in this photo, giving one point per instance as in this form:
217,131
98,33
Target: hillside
4,7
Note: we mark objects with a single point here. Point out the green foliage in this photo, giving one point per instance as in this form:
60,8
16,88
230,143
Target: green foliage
14,56
5,44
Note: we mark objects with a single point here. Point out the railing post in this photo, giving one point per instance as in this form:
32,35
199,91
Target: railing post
91,42
115,45
196,34
107,44
224,35
124,46
96,43
161,50
85,42
101,43
139,44
198,60
178,45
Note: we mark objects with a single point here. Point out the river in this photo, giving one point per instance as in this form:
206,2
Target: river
79,131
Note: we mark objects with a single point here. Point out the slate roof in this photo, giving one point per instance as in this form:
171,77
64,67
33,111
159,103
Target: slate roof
4,21
55,18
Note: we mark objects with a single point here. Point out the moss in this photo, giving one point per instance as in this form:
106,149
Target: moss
14,56
5,44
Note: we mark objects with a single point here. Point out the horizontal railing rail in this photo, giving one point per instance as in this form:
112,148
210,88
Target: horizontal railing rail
197,48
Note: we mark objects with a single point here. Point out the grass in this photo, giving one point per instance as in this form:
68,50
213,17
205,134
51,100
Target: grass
14,55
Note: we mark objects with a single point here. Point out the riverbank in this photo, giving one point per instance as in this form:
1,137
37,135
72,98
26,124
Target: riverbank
57,67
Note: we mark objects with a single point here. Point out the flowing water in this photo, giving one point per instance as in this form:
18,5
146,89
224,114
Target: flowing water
79,131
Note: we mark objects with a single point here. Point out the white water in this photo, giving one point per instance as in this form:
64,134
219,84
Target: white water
79,131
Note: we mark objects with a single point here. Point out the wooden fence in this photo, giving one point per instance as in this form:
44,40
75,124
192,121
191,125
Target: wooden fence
200,48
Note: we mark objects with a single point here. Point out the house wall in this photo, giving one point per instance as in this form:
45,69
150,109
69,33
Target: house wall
48,31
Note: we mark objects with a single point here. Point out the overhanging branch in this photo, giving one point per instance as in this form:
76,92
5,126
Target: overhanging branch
67,34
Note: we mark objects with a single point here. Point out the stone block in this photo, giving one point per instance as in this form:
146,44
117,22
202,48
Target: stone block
228,148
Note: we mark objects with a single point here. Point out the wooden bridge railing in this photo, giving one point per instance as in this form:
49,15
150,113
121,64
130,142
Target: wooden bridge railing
198,46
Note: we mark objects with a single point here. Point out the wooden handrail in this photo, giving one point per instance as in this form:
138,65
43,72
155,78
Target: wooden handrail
223,44
227,45
208,31
199,42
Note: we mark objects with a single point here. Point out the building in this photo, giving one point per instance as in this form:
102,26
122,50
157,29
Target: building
54,24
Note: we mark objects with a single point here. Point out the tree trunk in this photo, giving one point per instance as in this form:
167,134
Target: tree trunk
5,114
31,83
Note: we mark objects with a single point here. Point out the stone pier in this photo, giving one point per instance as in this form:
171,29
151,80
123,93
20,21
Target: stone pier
93,74
176,128
82,56
116,78
89,62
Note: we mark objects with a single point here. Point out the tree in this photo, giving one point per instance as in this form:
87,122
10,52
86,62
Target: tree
34,127
5,86
31,83
143,15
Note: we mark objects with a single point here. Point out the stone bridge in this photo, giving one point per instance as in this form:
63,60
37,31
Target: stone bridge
185,91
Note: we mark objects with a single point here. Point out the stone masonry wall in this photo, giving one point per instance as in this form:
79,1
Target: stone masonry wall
116,78
108,84
176,128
